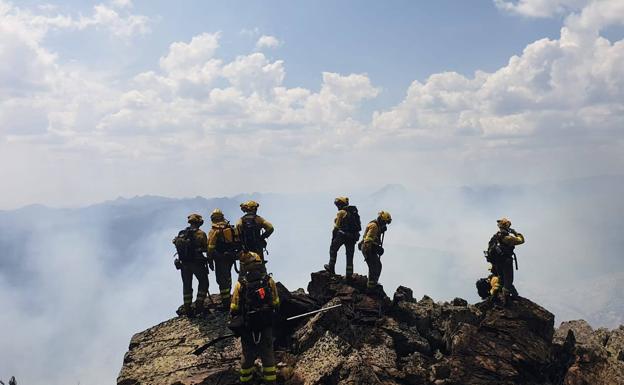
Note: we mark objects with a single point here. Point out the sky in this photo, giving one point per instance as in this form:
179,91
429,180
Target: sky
125,98
308,100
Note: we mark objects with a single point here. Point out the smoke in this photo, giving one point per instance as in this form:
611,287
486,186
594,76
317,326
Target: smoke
76,284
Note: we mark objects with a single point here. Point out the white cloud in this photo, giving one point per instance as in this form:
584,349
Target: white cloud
267,41
541,8
103,17
108,18
196,105
122,3
187,57
554,88
254,72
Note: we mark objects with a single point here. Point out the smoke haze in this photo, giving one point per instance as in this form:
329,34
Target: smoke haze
75,284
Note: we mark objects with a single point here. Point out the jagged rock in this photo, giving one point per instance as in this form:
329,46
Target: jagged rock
615,343
167,353
372,340
403,293
596,355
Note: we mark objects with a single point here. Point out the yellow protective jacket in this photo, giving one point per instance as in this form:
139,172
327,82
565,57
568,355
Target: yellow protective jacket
235,305
218,228
495,285
340,216
372,233
513,240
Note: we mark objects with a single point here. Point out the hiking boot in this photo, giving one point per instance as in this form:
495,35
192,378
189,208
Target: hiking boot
330,269
199,308
372,290
185,311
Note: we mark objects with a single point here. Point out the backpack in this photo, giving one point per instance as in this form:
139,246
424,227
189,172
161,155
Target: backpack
227,240
483,288
498,251
258,300
351,223
495,250
250,233
186,244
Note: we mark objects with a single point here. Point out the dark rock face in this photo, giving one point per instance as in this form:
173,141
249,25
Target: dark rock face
374,340
597,355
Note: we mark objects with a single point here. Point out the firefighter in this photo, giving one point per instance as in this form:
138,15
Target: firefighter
252,229
347,227
190,244
223,245
372,247
501,255
255,300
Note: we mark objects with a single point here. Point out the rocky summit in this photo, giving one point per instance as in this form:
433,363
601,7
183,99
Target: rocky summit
374,339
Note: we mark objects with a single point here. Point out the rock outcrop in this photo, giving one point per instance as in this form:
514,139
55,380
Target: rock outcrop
373,339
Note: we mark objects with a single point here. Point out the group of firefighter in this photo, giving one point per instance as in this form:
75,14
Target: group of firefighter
254,300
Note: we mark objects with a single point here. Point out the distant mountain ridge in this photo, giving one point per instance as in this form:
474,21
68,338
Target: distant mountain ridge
110,266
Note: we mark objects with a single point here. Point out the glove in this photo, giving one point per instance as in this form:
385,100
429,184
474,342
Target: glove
380,250
211,264
360,243
177,263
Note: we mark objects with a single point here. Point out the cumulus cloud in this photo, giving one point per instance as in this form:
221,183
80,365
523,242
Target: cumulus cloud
186,59
104,16
570,87
108,18
540,8
267,41
563,93
185,96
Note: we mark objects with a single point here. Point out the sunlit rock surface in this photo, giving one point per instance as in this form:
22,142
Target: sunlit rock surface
374,339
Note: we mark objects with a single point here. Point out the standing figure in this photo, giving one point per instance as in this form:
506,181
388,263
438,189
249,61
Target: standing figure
501,255
254,302
252,229
346,232
372,247
190,244
222,248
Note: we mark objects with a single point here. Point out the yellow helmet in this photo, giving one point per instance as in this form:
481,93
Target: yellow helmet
249,206
503,223
216,215
195,218
385,216
341,201
249,257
